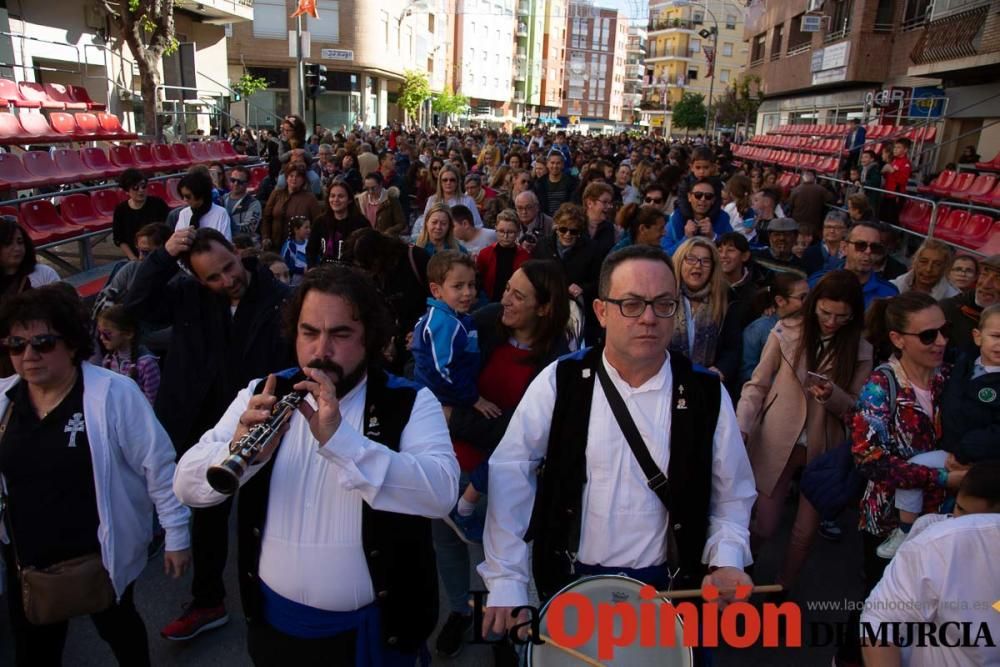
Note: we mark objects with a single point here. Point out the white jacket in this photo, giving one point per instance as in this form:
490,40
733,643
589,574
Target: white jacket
216,218
943,289
133,471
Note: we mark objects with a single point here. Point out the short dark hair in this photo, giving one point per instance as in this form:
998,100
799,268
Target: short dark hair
130,178
203,240
983,481
199,183
443,262
157,232
355,287
867,224
869,152
462,212
9,227
239,169
619,257
702,154
702,181
734,239
57,305
375,176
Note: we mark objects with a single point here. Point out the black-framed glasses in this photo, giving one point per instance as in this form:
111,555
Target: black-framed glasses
708,196
929,336
862,246
42,343
691,260
568,231
653,200
663,307
238,181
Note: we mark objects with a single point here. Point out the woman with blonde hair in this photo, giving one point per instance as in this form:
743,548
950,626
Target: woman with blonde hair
702,332
643,175
929,271
450,182
438,233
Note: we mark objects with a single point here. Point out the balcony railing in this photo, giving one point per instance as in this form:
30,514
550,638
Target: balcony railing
671,24
671,53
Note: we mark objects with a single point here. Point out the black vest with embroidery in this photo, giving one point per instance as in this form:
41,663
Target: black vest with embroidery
398,547
556,517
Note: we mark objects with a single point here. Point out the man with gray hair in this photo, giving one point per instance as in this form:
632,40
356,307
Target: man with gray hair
530,215
367,160
828,254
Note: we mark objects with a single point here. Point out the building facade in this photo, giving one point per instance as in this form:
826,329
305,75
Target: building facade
635,71
594,82
554,58
528,57
484,55
691,47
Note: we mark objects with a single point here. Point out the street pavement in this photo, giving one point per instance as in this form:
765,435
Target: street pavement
833,572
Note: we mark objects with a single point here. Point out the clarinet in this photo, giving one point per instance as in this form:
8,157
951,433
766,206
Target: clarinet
225,477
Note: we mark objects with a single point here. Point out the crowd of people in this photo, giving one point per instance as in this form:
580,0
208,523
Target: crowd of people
444,303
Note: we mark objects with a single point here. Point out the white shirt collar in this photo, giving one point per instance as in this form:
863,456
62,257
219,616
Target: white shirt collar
655,383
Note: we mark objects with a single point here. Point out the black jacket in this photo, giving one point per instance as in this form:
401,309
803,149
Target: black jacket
970,413
212,354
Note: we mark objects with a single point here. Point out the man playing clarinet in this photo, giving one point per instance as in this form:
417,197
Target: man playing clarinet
336,563
611,451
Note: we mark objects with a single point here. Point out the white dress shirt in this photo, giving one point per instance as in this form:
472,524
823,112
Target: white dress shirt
949,573
311,548
624,523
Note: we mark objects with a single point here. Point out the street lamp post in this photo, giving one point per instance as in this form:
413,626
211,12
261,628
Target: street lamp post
714,33
411,7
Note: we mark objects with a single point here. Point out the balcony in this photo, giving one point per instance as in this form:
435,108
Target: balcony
520,73
218,12
658,26
518,97
522,29
955,42
523,8
658,55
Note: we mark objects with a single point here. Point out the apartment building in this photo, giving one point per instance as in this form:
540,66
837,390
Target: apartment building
691,47
594,82
484,55
911,61
554,56
635,71
365,46
529,37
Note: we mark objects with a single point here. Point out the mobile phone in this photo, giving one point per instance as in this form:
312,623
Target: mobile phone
815,378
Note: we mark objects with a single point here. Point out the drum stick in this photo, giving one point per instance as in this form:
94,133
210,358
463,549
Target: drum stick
696,592
582,657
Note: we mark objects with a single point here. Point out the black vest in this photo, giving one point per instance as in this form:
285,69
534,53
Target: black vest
556,517
398,547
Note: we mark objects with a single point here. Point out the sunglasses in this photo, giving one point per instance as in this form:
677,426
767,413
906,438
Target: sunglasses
653,200
41,343
139,186
237,181
708,196
568,230
862,246
929,336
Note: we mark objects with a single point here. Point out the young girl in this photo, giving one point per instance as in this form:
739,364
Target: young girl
118,334
294,249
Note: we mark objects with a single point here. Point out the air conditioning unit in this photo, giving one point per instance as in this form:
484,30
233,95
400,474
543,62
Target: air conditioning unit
815,5
811,23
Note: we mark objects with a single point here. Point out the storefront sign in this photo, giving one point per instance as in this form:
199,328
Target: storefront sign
336,54
830,64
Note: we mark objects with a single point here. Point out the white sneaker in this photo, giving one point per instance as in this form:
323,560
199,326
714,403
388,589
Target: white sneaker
888,548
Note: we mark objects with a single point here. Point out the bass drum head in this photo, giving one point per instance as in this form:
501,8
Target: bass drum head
610,589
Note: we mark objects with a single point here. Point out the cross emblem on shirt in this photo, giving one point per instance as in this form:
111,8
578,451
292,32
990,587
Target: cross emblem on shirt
73,426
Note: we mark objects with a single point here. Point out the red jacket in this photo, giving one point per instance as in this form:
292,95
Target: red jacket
487,266
896,181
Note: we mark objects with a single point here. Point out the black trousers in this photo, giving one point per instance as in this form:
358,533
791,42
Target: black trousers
209,549
42,645
271,648
874,568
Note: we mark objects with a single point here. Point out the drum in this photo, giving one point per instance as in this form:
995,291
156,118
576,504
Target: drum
610,589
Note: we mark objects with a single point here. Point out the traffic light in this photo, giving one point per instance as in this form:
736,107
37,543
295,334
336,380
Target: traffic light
315,79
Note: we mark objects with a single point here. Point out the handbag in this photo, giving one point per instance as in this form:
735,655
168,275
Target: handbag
76,587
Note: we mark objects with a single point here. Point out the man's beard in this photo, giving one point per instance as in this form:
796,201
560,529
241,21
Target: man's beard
343,382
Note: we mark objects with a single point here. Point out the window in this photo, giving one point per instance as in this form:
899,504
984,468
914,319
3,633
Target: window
916,13
884,14
724,76
840,22
797,40
698,18
727,49
269,20
486,54
694,46
430,23
759,42
730,22
776,37
692,74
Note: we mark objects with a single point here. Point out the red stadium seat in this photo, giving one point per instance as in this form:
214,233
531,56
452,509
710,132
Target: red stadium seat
164,157
11,131
89,127
157,189
940,184
111,127
79,210
97,161
38,128
143,154
963,181
982,186
105,201
71,164
57,92
64,126
8,210
976,231
80,94
173,197
949,227
43,223
915,216
199,152
121,156
992,165
257,176
183,155
11,95
991,199
13,174
229,153
40,165
36,93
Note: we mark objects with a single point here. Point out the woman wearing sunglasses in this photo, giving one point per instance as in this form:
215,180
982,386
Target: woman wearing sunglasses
793,408
84,462
888,435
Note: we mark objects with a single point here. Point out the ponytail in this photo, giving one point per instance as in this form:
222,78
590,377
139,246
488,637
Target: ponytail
781,285
893,314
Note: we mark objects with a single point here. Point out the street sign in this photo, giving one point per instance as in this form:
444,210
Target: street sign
336,54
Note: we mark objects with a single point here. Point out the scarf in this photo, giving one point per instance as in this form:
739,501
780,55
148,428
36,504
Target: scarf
197,213
699,345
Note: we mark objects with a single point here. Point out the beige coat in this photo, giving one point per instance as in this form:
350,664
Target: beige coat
775,406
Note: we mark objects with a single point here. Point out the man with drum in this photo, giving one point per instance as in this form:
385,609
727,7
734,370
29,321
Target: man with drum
593,508
336,562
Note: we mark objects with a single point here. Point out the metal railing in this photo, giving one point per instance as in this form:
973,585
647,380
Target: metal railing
257,109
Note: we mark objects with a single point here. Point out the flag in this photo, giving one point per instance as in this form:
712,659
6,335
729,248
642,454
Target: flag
306,7
710,57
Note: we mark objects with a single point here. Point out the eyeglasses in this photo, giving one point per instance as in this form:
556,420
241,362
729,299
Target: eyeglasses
707,196
139,186
691,260
42,343
654,200
105,333
449,180
862,246
930,336
571,231
663,307
799,297
238,181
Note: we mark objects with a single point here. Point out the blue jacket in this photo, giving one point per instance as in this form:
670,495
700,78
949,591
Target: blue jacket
446,354
876,287
754,338
674,235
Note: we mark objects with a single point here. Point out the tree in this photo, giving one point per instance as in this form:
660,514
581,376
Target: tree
147,26
247,85
689,113
448,103
740,103
414,91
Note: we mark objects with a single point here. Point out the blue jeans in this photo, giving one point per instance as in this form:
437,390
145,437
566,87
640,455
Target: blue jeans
455,559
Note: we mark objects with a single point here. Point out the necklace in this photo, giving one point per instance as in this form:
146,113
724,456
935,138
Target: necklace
62,396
